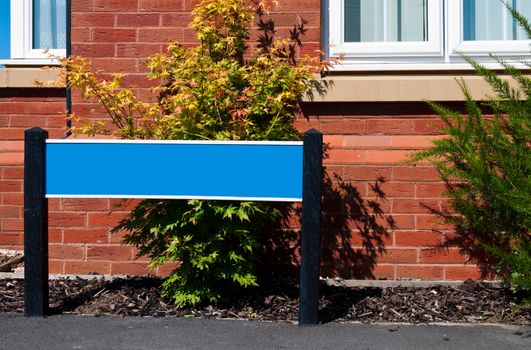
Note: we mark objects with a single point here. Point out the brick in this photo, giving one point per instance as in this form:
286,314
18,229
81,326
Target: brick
431,222
114,5
104,219
26,121
55,204
412,173
160,35
86,204
366,172
412,142
12,224
461,273
387,157
430,190
397,189
47,108
131,268
81,20
367,142
81,35
55,235
420,272
178,19
400,222
10,185
401,205
10,238
333,141
394,256
13,108
340,156
358,239
55,266
114,35
108,252
87,267
11,146
11,134
114,65
137,20
12,198
13,172
66,219
428,126
441,256
161,5
391,126
57,122
342,126
63,251
81,5
137,50
418,239
167,268
10,212
117,237
99,236
4,120
93,50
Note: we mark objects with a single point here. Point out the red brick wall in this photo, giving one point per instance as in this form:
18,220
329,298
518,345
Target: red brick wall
21,109
364,236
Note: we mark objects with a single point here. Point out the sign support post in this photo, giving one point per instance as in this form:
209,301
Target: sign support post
311,227
35,224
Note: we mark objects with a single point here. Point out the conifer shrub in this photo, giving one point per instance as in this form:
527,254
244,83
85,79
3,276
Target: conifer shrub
219,90
486,164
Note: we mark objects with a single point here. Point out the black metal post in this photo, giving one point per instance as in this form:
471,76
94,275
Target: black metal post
311,227
35,224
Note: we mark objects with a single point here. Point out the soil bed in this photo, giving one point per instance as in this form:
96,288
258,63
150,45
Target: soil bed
140,296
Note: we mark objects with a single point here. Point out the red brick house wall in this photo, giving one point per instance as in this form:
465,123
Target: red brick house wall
364,141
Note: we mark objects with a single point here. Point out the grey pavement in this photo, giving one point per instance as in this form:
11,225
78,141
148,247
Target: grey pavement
78,332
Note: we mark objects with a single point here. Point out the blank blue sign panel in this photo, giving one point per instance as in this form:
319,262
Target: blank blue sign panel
261,171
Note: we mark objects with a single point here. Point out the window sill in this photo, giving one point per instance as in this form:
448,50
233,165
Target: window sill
24,77
398,87
35,62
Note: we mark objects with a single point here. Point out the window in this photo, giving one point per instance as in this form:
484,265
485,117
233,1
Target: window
422,34
37,27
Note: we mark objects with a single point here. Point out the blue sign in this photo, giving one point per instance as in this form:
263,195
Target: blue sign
228,170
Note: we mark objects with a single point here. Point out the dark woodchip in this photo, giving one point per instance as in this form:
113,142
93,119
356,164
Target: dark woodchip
140,296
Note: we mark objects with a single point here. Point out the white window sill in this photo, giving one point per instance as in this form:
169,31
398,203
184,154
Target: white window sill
36,62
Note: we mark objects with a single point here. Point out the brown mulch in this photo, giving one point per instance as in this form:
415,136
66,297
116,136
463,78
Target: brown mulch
140,296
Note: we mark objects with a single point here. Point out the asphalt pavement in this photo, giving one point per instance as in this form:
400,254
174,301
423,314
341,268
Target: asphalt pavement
78,332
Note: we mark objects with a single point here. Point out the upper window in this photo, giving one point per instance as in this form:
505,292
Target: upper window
423,34
38,28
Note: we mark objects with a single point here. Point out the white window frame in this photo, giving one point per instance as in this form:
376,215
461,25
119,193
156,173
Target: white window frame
431,47
440,52
480,47
22,37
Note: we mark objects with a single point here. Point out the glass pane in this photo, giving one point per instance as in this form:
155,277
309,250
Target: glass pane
385,20
490,20
49,24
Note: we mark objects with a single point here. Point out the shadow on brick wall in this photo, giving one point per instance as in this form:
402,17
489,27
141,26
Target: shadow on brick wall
354,230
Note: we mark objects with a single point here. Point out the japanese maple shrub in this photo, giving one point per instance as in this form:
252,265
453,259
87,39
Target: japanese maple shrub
219,90
486,164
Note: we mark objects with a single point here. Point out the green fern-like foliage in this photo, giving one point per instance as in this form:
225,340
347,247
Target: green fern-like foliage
486,164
